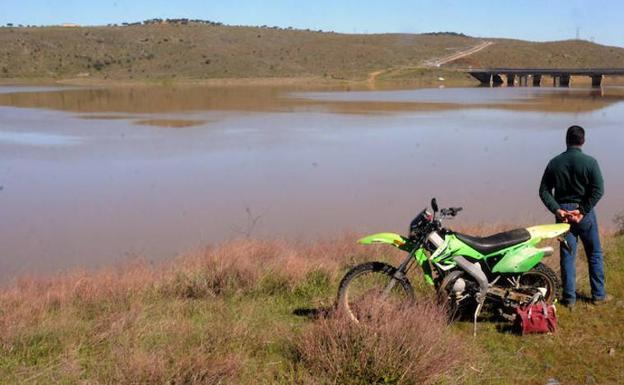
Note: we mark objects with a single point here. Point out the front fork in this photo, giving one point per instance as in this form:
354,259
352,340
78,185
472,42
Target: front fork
400,272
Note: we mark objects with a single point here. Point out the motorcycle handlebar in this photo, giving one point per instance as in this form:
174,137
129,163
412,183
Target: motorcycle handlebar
451,211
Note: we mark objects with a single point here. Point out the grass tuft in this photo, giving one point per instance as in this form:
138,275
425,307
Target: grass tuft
391,346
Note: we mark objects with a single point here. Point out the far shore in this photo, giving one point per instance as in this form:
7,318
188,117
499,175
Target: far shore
426,78
449,79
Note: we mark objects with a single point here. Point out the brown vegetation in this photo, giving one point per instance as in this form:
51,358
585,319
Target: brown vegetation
395,346
231,314
618,219
193,50
193,320
201,51
554,54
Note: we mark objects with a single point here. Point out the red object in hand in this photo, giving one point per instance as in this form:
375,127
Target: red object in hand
536,318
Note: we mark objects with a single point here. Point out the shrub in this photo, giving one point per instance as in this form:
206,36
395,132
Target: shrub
408,346
619,222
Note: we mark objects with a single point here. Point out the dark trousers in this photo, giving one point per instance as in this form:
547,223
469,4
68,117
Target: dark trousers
587,231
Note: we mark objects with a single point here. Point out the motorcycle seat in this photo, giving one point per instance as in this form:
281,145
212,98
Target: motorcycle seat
490,244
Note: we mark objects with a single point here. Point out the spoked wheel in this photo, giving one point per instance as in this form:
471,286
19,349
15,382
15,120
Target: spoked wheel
372,284
540,277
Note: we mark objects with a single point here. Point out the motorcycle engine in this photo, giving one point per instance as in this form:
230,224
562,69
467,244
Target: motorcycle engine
458,287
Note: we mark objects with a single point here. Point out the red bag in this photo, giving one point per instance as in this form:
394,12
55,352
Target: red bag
536,318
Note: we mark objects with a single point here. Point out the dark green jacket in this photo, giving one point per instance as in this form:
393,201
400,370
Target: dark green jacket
575,177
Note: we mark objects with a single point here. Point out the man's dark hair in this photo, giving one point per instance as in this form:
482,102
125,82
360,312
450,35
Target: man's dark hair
575,136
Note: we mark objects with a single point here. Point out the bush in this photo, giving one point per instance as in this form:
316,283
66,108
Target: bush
409,346
619,222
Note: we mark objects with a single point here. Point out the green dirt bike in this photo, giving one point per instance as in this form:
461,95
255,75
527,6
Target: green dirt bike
503,268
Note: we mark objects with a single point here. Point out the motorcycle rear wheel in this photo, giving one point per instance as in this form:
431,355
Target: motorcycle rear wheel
366,284
542,276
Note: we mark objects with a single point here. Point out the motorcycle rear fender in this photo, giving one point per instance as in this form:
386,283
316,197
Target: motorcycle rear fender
520,260
524,258
548,231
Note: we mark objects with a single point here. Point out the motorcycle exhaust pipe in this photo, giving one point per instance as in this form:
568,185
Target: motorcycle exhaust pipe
475,271
548,251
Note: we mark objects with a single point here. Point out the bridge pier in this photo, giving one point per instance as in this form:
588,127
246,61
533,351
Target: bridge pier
511,78
523,80
596,80
537,79
484,78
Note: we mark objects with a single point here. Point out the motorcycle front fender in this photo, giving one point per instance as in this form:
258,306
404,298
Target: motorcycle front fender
393,239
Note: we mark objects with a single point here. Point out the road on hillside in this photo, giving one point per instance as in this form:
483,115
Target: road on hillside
372,76
458,55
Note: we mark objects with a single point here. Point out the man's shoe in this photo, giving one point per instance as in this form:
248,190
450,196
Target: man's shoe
568,305
602,301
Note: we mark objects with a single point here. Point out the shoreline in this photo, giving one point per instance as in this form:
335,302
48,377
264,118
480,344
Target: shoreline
344,239
382,79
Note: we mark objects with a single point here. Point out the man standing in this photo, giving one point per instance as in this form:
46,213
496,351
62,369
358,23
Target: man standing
577,183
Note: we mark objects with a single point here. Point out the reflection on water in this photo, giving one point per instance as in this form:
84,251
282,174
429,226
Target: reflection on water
171,123
37,139
83,184
36,89
150,100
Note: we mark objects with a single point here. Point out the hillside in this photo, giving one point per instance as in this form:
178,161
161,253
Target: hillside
204,51
560,54
208,51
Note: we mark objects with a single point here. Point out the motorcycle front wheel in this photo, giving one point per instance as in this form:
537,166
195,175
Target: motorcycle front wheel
370,284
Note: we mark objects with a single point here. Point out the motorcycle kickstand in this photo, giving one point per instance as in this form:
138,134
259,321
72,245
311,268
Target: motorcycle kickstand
476,315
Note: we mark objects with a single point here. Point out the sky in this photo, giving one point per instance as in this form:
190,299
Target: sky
543,20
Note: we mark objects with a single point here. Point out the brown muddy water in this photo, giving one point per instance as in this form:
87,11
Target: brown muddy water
89,177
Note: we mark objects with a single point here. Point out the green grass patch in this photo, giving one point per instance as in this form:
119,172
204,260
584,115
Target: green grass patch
178,329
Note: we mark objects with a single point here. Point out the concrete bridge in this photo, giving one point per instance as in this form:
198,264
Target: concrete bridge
560,76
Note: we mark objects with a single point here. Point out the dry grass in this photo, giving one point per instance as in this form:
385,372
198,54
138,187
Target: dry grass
249,265
395,346
555,54
618,219
228,314
208,52
200,319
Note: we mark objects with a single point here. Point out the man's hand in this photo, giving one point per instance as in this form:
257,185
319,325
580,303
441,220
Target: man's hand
566,216
563,215
575,216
